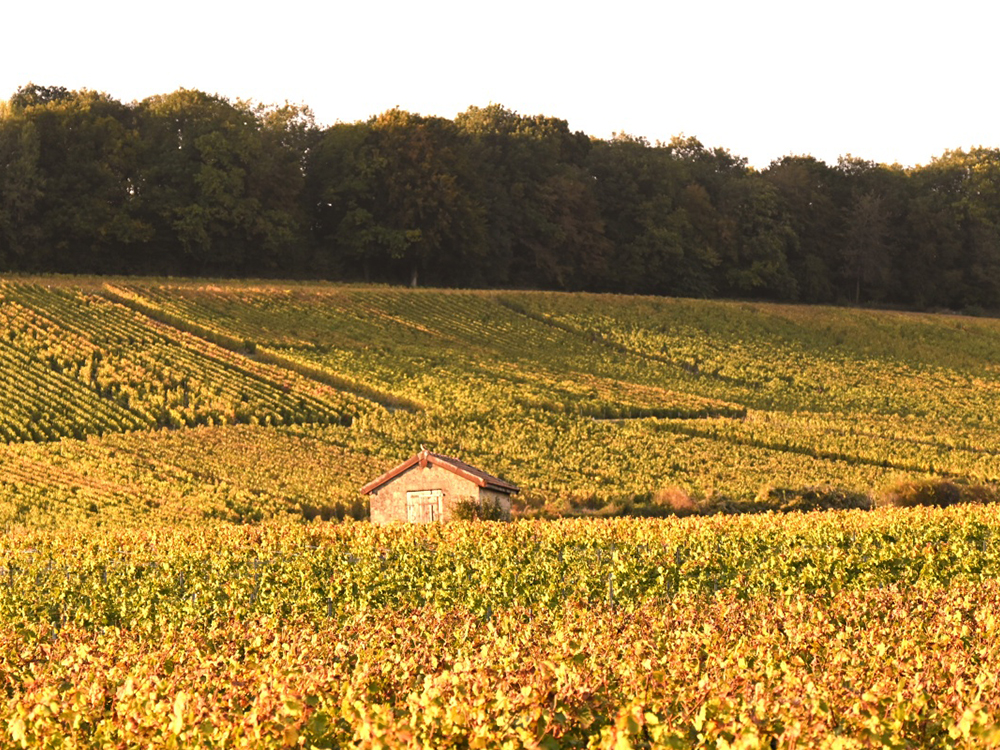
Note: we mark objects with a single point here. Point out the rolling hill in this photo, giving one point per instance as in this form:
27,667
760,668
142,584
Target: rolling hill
242,400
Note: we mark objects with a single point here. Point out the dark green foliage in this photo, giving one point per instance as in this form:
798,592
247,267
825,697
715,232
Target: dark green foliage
804,499
392,196
673,501
183,183
190,183
938,493
469,509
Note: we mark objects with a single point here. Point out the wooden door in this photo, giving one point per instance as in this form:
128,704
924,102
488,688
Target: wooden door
424,506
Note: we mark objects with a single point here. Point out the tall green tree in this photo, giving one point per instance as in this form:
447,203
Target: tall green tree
866,248
21,188
222,184
809,194
340,189
974,197
425,216
660,223
932,264
757,240
872,247
394,193
544,223
68,183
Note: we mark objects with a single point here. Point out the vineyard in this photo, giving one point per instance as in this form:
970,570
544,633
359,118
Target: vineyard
186,561
846,629
592,403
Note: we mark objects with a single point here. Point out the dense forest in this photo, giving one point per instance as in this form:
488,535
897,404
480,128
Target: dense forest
190,183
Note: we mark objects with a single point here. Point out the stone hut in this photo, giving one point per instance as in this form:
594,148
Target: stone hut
426,488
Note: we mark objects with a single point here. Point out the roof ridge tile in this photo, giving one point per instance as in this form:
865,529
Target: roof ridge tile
480,477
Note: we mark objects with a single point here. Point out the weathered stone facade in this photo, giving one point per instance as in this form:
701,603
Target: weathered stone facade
398,500
427,488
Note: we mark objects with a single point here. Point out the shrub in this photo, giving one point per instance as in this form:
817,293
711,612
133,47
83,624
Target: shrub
921,493
675,500
471,509
666,502
310,512
718,503
820,497
979,493
938,493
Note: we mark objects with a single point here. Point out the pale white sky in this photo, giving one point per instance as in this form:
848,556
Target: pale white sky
887,81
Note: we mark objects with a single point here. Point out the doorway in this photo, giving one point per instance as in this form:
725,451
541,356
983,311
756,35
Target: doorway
424,506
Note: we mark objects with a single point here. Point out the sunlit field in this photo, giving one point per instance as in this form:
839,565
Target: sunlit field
187,560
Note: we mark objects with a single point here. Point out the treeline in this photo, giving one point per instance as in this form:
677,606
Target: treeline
194,184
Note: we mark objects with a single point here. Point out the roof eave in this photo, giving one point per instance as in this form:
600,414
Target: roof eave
425,457
390,475
457,470
508,489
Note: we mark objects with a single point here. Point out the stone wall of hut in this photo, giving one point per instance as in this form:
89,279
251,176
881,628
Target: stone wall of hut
409,497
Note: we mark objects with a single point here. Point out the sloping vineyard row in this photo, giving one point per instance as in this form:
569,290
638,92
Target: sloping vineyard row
265,317
972,454
501,387
470,333
241,474
310,470
732,366
143,374
87,317
38,404
478,342
953,342
557,456
793,371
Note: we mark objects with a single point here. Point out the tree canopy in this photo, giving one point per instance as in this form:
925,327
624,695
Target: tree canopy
191,183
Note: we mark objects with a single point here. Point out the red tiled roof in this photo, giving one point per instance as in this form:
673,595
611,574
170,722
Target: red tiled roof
478,476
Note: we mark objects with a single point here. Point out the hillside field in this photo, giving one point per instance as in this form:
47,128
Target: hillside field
294,396
186,563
